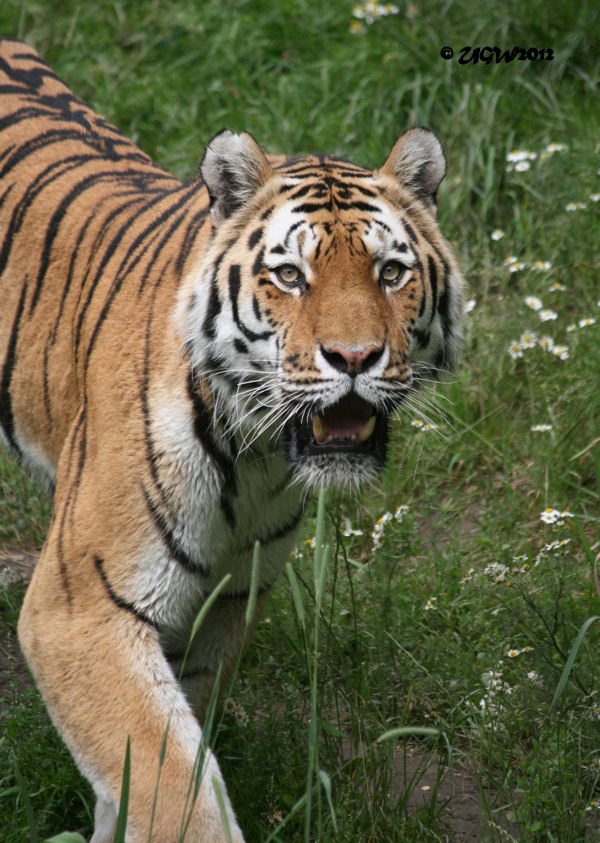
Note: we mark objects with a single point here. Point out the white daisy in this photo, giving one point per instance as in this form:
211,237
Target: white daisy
533,302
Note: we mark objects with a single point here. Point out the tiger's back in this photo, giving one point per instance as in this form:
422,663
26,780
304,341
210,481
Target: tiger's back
87,221
184,361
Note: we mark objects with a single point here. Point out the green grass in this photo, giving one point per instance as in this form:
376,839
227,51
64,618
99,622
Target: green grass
173,74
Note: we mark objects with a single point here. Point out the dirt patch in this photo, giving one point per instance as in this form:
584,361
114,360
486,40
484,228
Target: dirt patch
15,566
467,805
457,796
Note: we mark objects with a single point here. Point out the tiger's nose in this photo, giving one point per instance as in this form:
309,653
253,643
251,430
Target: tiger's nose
352,360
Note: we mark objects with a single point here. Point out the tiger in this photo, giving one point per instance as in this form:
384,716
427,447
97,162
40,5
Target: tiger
184,362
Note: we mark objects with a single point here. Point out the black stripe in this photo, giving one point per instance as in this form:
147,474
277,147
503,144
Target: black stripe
410,231
357,206
203,431
7,421
290,231
172,545
128,263
256,308
163,241
67,285
54,223
433,280
117,599
195,223
280,533
77,449
254,238
213,309
258,263
422,337
444,308
108,253
311,207
234,292
302,191
245,594
418,268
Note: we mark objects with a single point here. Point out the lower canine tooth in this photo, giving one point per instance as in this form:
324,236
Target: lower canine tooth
366,430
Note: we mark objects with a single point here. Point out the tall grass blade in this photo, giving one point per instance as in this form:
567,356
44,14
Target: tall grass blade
161,761
33,837
404,731
319,529
326,782
571,659
203,747
222,810
200,618
124,802
254,581
296,595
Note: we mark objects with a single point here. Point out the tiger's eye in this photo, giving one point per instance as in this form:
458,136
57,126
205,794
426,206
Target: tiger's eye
289,274
391,271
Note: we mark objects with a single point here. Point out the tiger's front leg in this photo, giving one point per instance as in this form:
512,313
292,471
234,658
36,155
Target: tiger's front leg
105,679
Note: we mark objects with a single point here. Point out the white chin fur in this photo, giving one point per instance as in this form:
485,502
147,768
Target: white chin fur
346,474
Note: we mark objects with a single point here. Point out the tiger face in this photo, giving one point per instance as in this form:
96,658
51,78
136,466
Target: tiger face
314,324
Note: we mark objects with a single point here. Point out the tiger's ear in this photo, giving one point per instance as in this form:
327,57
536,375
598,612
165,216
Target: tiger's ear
418,162
233,169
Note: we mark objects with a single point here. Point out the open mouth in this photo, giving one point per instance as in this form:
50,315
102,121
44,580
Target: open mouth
350,426
350,421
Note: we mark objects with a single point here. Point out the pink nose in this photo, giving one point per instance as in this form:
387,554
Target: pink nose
354,359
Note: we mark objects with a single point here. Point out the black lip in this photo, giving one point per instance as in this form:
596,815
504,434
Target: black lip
300,444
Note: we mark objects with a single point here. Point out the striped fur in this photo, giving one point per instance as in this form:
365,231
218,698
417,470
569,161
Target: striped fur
181,361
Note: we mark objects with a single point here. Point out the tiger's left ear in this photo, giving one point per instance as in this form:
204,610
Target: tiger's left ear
234,167
418,162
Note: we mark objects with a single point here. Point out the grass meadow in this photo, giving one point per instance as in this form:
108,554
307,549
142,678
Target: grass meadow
456,620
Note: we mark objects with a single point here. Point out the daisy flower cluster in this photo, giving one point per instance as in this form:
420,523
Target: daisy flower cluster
368,12
592,765
531,339
496,691
237,711
516,651
499,572
423,426
380,524
520,160
555,516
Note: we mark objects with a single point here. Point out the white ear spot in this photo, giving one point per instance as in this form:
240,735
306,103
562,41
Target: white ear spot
418,162
234,167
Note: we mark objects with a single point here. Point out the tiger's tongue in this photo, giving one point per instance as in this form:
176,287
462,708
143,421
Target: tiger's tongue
350,418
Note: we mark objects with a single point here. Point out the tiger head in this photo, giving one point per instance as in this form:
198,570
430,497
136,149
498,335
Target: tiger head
326,296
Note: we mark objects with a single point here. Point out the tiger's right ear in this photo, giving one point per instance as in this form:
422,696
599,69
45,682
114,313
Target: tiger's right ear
418,162
234,167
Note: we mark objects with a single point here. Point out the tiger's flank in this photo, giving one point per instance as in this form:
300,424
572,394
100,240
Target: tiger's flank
182,362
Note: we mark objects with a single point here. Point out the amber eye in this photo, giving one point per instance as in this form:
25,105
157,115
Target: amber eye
288,273
391,272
